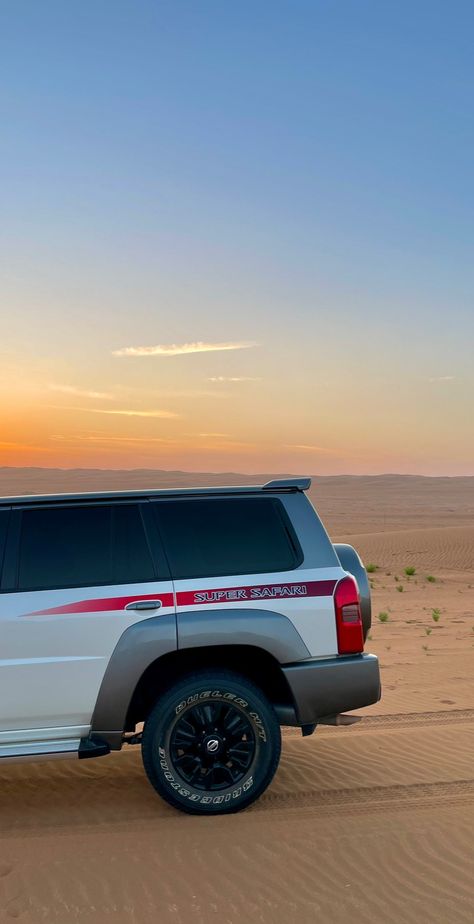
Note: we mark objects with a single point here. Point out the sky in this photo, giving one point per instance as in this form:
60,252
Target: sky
237,236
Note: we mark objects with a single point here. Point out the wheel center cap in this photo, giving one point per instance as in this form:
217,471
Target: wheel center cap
213,745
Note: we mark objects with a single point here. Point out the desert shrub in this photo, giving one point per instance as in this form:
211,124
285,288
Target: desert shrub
371,567
410,571
436,615
383,617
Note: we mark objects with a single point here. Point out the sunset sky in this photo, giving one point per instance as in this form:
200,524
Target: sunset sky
237,236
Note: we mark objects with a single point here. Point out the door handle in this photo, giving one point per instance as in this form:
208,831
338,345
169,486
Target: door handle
144,605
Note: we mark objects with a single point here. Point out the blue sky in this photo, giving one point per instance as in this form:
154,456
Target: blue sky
295,174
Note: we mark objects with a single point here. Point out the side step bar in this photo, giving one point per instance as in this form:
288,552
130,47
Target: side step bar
40,750
53,750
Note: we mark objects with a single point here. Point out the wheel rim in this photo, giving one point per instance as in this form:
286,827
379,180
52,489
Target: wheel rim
212,745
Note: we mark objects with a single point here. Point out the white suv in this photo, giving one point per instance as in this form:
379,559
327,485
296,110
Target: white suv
211,615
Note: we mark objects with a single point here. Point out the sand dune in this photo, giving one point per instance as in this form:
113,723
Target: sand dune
371,823
449,548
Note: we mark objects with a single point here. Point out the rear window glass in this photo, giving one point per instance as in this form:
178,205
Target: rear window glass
84,545
211,537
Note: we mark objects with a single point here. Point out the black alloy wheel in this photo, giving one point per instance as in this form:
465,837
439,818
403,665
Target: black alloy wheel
212,745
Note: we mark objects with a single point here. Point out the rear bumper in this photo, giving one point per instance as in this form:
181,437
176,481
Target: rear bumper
324,688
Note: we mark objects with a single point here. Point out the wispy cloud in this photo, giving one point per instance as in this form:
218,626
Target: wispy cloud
442,378
181,349
217,436
59,438
306,448
234,378
164,415
81,392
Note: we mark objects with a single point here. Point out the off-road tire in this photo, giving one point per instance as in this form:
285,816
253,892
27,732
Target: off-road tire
199,710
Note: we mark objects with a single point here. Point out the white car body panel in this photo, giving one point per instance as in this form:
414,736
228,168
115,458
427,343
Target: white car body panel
312,616
52,665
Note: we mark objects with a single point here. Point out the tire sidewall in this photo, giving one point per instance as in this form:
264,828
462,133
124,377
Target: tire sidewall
159,730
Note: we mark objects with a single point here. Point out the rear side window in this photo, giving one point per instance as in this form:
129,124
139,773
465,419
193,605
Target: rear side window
85,545
207,538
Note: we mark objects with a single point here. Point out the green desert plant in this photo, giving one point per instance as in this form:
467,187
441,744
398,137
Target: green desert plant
371,567
436,615
430,578
410,571
400,588
425,647
383,617
428,631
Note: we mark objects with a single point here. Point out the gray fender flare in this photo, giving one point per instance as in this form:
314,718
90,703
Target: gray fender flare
146,641
272,631
136,649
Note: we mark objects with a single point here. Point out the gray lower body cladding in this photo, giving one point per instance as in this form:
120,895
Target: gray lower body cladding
327,687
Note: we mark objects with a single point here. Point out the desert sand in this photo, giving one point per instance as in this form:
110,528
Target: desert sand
371,823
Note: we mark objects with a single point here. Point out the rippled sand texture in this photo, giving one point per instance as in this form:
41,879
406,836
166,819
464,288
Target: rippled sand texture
371,823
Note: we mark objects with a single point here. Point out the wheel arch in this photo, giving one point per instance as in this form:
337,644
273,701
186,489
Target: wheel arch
249,661
153,652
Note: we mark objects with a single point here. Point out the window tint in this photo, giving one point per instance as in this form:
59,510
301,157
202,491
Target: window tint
205,538
73,546
4,517
130,553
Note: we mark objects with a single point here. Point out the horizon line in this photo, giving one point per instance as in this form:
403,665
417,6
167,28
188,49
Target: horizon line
183,471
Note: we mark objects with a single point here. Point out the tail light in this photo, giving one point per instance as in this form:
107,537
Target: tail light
350,634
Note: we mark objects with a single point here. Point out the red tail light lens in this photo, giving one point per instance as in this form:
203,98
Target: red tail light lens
350,635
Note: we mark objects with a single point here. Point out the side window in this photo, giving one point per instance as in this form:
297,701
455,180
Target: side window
212,537
64,547
131,556
4,517
79,546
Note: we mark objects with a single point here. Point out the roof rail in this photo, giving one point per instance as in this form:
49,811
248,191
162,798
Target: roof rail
288,484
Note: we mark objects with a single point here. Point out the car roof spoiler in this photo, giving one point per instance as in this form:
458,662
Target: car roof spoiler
288,484
279,484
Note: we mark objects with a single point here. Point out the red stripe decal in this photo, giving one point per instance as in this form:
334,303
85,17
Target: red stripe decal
256,592
102,604
253,592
